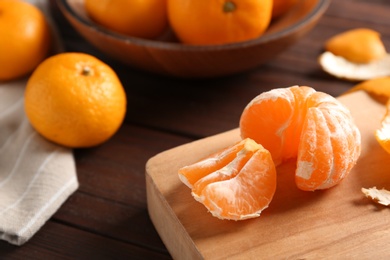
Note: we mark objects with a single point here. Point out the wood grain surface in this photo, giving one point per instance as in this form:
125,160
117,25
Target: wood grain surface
107,217
338,222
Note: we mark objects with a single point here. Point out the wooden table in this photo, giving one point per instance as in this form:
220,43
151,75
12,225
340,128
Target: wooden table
107,217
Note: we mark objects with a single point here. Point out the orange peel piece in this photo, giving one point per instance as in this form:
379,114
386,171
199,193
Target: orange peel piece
382,134
356,55
381,196
359,45
380,88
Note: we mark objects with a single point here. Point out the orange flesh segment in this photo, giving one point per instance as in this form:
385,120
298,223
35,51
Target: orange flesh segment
272,127
314,165
228,171
240,189
190,174
247,194
311,126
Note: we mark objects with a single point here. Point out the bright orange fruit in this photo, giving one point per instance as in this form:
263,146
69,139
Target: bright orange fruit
207,22
236,183
138,18
75,100
24,38
314,127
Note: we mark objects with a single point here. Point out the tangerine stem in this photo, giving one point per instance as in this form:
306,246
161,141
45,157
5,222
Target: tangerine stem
229,6
86,71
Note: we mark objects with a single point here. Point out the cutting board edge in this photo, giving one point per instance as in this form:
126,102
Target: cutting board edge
171,231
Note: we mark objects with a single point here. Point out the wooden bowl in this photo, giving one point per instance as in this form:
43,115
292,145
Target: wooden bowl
170,57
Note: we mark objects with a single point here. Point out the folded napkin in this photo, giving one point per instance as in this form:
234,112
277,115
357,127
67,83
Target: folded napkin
36,176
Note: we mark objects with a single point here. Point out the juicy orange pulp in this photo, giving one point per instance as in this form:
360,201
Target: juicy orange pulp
239,182
236,183
315,128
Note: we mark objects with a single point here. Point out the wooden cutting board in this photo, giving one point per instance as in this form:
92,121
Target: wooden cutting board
336,223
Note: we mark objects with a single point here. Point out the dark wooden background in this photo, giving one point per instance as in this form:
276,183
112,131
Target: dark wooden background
107,217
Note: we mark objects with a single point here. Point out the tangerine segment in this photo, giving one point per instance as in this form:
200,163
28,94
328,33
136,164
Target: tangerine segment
238,189
314,127
192,173
230,170
245,195
274,119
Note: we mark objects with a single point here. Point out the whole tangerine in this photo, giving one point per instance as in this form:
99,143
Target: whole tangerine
206,22
137,18
75,100
25,38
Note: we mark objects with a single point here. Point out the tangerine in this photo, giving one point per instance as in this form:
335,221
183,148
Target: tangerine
138,18
25,38
75,100
314,127
219,22
236,183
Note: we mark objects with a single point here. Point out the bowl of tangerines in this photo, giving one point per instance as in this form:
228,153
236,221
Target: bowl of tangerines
193,38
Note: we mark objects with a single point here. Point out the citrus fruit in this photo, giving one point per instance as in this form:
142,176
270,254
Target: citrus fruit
235,183
313,127
359,45
24,38
138,18
207,22
75,100
280,7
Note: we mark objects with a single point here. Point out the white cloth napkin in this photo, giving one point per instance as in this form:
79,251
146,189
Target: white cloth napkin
36,176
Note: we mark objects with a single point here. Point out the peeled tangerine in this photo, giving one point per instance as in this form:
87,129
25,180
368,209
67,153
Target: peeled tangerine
314,127
357,54
236,183
297,122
